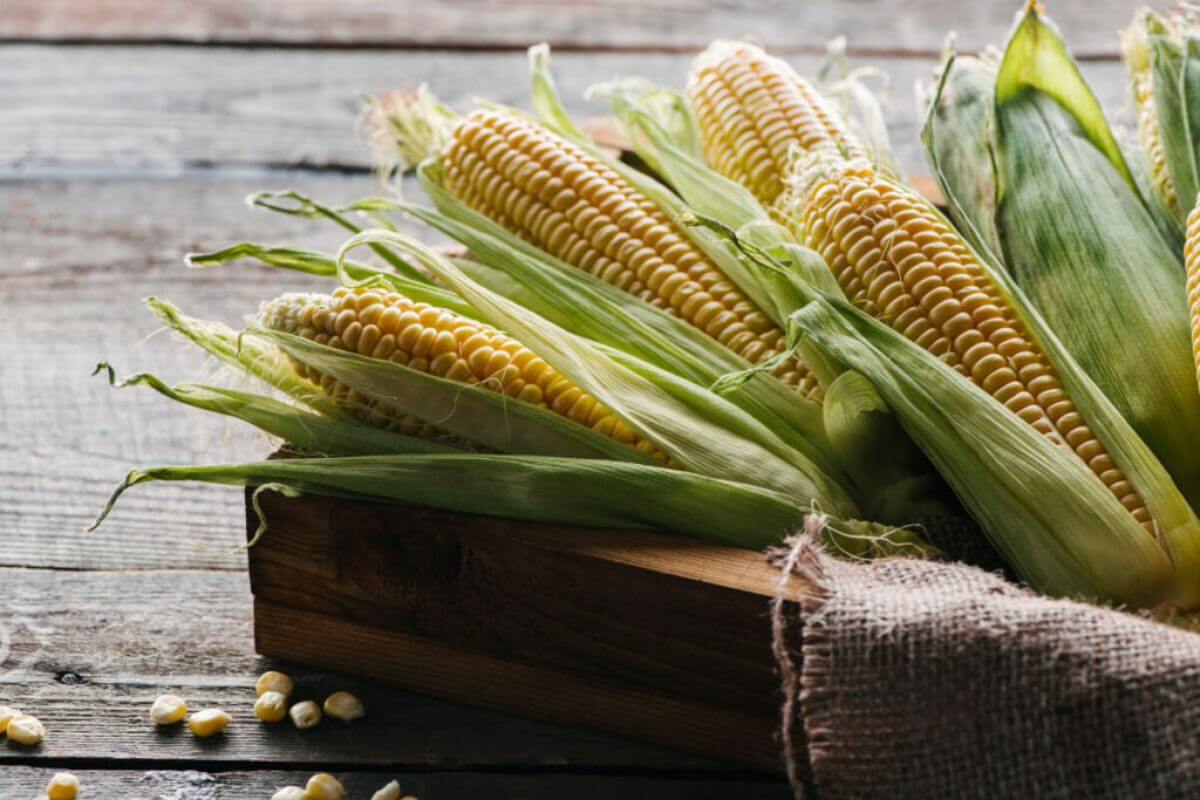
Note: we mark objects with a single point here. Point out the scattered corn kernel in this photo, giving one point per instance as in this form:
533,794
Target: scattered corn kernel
271,706
389,792
63,786
6,714
273,681
324,786
305,714
290,793
344,706
26,730
208,722
168,709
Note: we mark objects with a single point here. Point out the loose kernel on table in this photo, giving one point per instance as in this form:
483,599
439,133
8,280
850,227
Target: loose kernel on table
271,706
168,710
305,714
290,793
344,706
324,786
6,714
273,681
63,786
26,730
389,792
208,722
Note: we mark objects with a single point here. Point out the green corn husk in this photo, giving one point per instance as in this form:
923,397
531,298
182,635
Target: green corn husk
1053,521
1076,236
1162,56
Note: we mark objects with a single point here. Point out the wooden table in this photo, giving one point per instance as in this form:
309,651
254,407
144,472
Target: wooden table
131,131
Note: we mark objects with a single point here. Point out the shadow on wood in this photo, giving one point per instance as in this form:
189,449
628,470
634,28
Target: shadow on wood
656,637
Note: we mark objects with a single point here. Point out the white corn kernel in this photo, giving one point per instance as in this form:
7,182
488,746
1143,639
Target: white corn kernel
275,682
389,792
168,709
305,714
290,793
344,706
271,707
63,786
26,730
324,786
208,722
6,714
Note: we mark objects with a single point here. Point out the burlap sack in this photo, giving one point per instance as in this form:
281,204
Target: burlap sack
936,680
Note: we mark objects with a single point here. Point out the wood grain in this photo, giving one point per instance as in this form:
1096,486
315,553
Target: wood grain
27,782
87,653
166,108
659,637
888,25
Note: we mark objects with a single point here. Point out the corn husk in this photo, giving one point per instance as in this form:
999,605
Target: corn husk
1076,236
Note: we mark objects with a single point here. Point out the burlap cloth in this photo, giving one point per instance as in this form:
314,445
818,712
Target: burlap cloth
938,680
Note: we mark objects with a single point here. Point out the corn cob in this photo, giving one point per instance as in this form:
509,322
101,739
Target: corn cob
1137,61
568,203
1191,259
754,111
387,325
900,262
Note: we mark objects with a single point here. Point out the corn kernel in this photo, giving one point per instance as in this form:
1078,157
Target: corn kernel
273,681
208,722
324,786
344,706
168,709
63,786
6,714
305,715
26,730
389,792
271,707
290,793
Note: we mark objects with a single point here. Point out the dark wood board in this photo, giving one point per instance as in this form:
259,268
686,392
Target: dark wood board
887,25
659,637
103,107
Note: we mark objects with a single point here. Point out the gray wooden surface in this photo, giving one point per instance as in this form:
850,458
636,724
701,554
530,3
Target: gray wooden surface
131,131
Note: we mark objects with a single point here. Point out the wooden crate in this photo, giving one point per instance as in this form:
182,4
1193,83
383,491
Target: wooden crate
660,638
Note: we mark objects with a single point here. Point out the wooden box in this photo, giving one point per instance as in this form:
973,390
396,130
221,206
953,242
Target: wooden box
656,637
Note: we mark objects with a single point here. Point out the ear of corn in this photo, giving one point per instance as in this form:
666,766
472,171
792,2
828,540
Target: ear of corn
1191,258
1071,224
1083,543
754,111
693,428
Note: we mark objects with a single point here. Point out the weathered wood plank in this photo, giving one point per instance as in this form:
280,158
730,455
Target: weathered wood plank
87,652
22,782
80,256
891,25
124,107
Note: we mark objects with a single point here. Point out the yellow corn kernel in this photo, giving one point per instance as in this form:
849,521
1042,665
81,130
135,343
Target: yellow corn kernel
168,709
405,332
6,714
324,786
305,714
570,204
344,706
754,113
290,793
900,262
388,792
26,730
208,722
271,706
272,681
1191,258
63,786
